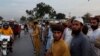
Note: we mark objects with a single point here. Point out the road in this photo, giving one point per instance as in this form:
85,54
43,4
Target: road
23,46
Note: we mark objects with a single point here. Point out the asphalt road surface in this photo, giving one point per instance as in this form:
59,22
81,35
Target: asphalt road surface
23,46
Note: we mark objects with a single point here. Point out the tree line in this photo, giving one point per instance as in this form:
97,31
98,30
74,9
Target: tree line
42,9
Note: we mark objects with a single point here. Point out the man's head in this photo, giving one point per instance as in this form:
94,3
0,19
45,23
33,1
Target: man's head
6,26
77,25
69,23
57,31
85,29
65,24
0,26
94,22
35,23
47,23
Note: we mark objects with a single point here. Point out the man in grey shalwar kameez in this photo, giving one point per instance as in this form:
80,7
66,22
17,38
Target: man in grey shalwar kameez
80,46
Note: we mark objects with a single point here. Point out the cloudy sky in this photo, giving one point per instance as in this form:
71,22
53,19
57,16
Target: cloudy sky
16,8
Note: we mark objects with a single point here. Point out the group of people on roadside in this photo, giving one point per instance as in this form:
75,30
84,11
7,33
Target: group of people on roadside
73,38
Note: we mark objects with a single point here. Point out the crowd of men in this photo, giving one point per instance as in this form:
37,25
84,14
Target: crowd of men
71,38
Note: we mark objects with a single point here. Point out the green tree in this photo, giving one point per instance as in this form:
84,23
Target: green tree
1,18
60,16
73,17
23,19
40,10
86,17
30,19
29,12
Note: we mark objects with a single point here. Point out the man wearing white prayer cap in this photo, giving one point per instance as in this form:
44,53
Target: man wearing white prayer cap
79,46
79,19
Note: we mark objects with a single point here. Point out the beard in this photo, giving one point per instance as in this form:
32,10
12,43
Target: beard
76,32
94,27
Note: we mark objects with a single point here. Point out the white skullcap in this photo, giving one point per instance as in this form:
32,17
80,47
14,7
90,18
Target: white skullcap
79,19
56,21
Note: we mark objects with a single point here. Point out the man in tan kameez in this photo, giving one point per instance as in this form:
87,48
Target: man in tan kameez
36,38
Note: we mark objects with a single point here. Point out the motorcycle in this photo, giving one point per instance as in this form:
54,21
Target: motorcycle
4,39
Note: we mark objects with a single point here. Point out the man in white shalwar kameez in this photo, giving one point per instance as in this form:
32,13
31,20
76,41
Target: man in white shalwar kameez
94,33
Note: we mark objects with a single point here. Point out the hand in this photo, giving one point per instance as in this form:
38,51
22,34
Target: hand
97,43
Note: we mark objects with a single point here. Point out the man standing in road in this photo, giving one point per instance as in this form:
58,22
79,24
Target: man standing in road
94,34
36,39
67,32
79,44
58,47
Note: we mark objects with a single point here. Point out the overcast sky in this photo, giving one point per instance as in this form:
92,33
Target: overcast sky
16,8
